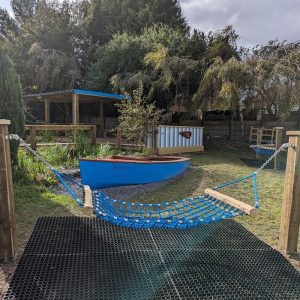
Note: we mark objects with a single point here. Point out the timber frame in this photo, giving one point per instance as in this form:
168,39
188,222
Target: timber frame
76,98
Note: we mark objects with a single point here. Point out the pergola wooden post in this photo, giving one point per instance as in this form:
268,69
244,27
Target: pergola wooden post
290,213
75,109
101,113
7,211
119,139
47,111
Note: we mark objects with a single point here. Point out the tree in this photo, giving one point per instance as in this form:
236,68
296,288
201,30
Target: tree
276,73
7,25
137,118
11,99
45,48
226,86
130,16
174,75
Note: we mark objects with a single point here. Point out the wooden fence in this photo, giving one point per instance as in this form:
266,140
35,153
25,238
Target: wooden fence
34,129
221,129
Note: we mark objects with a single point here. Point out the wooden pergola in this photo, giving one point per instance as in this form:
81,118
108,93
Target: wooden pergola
75,97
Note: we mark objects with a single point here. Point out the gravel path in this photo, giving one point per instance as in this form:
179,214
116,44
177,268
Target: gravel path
122,192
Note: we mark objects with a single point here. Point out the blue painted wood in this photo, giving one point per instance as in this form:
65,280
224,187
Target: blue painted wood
101,94
109,172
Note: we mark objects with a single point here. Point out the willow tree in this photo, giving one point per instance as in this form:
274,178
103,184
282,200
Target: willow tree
276,73
226,86
11,106
175,75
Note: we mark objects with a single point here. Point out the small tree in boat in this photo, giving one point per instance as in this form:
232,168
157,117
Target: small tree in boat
138,118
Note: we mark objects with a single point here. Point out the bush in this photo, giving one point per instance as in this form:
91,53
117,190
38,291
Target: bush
11,106
29,170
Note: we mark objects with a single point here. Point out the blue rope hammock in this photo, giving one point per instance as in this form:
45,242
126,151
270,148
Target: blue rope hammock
185,213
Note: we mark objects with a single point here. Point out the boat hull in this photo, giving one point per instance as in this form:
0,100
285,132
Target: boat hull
104,173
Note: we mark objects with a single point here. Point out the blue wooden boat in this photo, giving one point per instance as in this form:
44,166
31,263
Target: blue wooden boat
118,170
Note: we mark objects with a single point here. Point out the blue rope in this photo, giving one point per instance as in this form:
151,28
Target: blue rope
185,213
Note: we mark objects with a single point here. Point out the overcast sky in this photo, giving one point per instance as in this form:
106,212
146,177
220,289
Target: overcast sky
256,21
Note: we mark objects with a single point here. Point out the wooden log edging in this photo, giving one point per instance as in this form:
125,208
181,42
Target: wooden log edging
248,209
88,203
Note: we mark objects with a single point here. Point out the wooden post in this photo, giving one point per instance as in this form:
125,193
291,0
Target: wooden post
75,109
119,139
290,213
101,114
7,210
93,134
258,141
33,137
47,111
155,142
278,143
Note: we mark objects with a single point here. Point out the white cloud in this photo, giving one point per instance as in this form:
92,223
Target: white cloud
256,21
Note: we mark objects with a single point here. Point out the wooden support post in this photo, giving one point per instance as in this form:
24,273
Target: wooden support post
47,111
119,139
75,109
290,213
93,134
101,114
258,141
32,138
278,143
7,211
155,142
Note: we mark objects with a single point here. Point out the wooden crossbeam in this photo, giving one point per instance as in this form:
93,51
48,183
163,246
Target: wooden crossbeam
248,209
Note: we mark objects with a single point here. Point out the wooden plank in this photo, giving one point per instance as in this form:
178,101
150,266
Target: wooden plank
93,134
278,143
88,201
101,114
7,211
119,139
60,127
290,212
47,111
248,209
32,137
155,142
75,109
177,150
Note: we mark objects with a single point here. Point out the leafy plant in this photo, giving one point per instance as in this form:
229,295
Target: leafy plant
137,118
47,136
82,145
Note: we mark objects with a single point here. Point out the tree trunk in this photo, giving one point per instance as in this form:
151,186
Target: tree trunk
230,125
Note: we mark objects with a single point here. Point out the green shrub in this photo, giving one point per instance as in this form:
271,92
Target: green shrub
82,144
29,170
11,106
47,136
57,155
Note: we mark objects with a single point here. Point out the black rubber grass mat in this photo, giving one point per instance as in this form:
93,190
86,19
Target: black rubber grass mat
86,258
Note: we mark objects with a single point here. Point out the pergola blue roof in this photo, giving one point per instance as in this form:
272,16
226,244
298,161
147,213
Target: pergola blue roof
79,92
100,94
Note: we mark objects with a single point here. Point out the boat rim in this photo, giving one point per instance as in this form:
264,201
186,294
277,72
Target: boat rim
150,160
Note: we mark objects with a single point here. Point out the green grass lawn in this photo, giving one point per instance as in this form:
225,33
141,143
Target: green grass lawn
214,166
217,165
